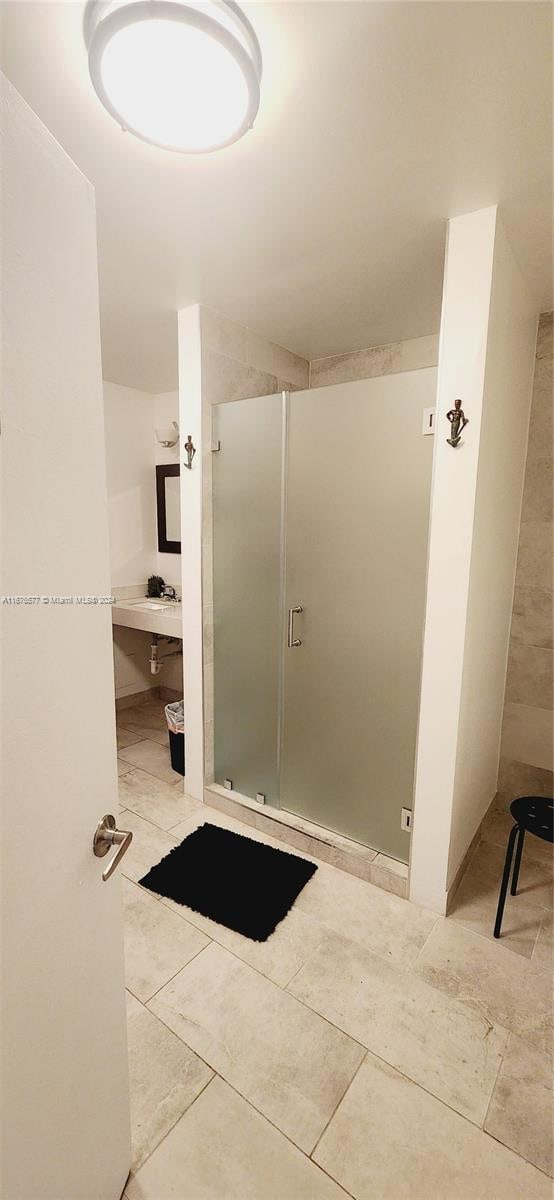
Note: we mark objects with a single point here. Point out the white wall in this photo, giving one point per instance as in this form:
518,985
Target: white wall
486,357
504,426
166,410
129,435
191,421
132,452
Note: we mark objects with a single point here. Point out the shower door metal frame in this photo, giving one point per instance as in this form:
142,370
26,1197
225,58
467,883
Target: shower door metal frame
285,411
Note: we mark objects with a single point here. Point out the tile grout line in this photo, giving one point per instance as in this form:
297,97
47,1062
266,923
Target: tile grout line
445,1104
284,987
308,959
495,1083
534,1165
480,1128
140,736
179,1118
401,968
199,1056
129,989
153,823
168,903
367,1053
514,933
544,921
540,862
270,981
168,831
135,767
366,1049
172,977
337,1106
170,782
280,1131
410,969
327,930
393,1067
536,937
281,987
407,968
475,1006
473,933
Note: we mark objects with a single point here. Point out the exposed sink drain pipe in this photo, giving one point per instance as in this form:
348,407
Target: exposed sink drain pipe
156,659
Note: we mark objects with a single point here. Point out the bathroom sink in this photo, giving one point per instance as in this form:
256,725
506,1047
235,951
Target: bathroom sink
163,617
149,606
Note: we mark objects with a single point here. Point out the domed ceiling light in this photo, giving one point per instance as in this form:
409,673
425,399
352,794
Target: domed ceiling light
183,76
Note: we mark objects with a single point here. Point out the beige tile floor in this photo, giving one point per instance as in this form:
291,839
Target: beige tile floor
368,1049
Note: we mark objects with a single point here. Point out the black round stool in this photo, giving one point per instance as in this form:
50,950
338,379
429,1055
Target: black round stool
532,814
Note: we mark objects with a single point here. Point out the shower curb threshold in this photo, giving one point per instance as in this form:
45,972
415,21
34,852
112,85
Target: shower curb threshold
332,848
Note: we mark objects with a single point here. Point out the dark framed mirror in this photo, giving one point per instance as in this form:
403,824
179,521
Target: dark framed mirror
168,502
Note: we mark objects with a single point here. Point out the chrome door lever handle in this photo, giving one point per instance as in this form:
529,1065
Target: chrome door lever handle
106,836
291,640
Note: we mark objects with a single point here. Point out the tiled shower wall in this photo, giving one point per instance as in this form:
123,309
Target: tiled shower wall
527,742
410,355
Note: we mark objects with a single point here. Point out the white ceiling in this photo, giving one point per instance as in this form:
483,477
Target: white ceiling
323,228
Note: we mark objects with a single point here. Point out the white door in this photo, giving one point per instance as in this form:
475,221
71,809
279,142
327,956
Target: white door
64,1071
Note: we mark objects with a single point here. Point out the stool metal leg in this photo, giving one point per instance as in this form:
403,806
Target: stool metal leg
505,878
517,862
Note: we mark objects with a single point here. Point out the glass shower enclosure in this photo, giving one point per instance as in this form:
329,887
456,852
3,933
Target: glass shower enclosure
320,526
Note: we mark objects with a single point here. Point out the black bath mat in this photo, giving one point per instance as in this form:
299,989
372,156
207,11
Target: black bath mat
236,881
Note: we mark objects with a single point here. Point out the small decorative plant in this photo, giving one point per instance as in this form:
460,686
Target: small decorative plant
155,585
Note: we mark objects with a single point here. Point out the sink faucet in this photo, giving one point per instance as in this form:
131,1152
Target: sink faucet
168,592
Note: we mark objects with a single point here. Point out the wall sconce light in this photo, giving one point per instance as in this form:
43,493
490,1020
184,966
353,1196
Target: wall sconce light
168,437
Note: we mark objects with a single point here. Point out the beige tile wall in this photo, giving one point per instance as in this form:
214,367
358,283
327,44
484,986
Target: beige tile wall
410,355
527,741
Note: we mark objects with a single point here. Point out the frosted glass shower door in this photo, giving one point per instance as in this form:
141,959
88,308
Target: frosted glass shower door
358,489
248,590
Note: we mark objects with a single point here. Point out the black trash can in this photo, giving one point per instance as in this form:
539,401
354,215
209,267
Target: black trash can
175,716
177,751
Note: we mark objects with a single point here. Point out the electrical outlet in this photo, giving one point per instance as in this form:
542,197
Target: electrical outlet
428,423
260,797
406,819
228,783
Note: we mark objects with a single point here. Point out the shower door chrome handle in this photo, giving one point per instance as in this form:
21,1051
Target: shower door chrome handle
106,836
291,640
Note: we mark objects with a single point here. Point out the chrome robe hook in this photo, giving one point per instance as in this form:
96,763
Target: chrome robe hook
458,422
190,451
